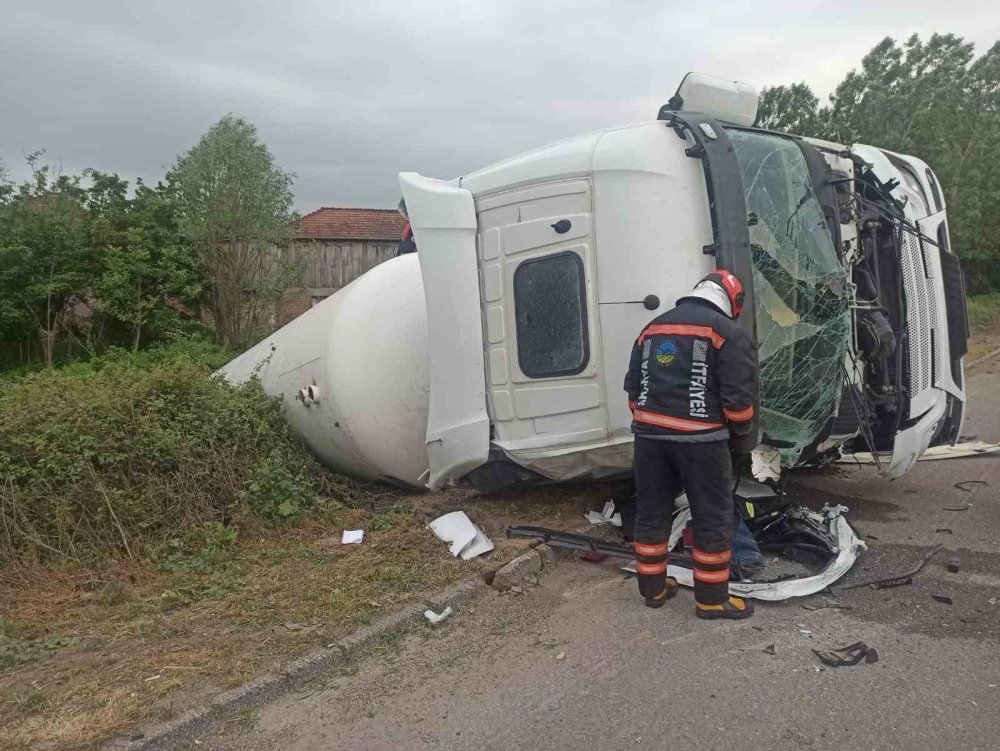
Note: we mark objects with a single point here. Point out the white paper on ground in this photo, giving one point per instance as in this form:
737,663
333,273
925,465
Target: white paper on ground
465,538
352,536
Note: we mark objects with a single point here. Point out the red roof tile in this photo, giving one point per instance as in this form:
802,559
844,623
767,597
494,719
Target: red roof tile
330,223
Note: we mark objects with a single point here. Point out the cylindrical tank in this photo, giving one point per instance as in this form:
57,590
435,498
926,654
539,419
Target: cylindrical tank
352,374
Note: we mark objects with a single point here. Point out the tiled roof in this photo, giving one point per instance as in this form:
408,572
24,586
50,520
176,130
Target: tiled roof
331,223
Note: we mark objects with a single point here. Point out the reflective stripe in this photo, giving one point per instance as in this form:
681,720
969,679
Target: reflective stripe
711,577
645,548
702,557
704,332
676,423
654,568
738,415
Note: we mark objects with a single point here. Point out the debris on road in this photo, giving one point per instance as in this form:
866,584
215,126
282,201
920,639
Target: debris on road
943,599
826,605
467,540
561,656
962,486
852,654
828,530
945,530
895,580
966,507
605,515
436,618
959,451
954,562
352,536
769,650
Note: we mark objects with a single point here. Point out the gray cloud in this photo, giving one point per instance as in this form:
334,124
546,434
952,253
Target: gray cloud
348,94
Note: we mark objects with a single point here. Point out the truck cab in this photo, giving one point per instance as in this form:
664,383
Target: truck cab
511,326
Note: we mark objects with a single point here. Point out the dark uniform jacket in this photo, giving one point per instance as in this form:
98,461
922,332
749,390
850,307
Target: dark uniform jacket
693,377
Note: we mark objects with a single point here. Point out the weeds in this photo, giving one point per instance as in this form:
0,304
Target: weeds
112,458
17,651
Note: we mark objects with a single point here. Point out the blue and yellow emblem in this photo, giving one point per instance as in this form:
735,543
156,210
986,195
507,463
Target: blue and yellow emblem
666,352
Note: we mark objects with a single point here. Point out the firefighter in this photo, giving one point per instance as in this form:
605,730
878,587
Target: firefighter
692,386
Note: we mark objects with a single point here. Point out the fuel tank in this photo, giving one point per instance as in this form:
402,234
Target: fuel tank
353,376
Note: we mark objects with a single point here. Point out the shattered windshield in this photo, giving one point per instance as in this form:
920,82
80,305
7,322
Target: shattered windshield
801,292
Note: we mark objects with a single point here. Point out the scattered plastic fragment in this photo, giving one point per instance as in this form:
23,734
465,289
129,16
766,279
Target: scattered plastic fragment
765,463
352,536
436,618
852,654
605,515
959,451
769,650
965,507
945,530
467,540
805,633
943,599
561,656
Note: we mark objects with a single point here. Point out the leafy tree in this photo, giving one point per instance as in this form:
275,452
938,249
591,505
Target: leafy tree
790,109
46,257
236,208
934,100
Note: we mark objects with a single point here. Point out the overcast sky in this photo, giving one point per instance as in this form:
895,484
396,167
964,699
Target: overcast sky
347,94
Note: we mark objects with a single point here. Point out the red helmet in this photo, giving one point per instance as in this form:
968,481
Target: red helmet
732,286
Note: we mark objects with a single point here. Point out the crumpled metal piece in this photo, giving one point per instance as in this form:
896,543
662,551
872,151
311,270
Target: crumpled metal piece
849,547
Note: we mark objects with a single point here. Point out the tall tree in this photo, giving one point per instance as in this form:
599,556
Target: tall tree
236,208
46,257
790,109
146,264
933,100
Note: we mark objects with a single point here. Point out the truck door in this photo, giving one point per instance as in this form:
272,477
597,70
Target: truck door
541,329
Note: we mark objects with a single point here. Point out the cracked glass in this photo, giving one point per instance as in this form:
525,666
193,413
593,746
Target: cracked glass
801,293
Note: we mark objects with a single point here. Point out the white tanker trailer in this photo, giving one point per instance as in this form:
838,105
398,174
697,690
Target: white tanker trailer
496,353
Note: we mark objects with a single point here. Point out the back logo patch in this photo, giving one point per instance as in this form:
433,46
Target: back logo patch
666,352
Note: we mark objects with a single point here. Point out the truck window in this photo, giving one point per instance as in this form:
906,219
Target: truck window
550,307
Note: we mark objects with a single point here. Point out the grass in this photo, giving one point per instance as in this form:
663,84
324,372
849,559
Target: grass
108,648
984,324
141,632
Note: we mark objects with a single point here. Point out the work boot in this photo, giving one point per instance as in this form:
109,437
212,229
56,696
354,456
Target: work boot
733,609
660,599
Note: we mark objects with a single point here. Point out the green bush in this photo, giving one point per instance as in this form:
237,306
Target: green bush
117,456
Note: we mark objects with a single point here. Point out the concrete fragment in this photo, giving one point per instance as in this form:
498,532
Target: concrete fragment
517,570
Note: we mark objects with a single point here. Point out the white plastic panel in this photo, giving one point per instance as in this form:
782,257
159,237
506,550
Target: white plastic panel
443,218
553,400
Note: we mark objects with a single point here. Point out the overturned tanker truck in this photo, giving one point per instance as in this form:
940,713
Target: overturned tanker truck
495,355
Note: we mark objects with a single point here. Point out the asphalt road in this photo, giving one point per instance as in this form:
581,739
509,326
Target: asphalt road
578,663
